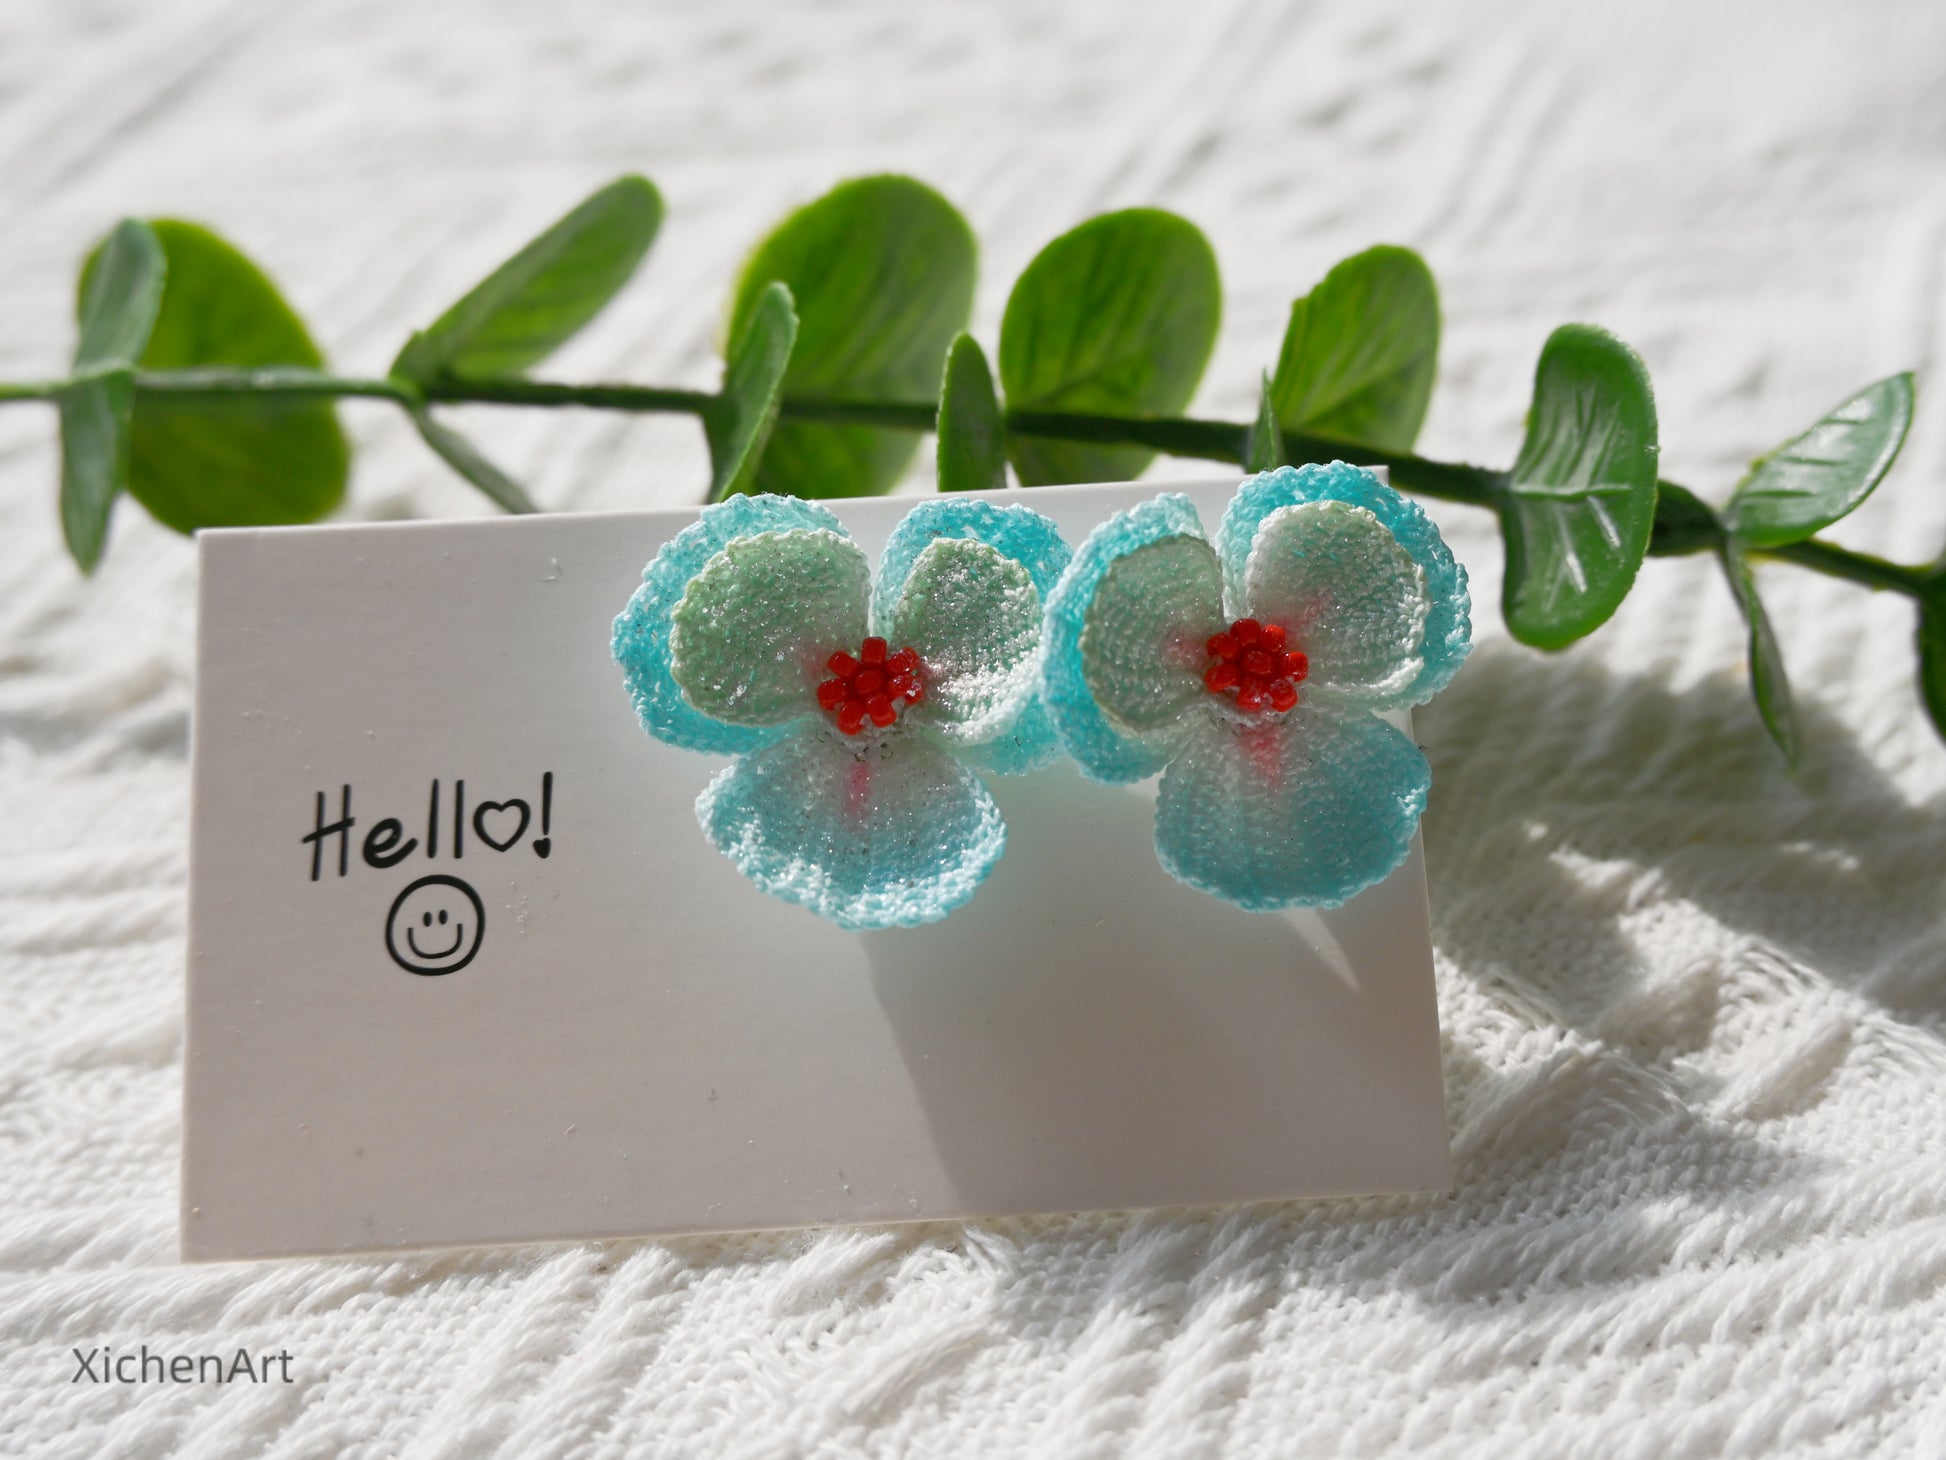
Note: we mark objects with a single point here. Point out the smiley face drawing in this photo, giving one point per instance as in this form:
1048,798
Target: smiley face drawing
435,926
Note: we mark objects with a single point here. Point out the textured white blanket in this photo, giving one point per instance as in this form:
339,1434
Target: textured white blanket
1695,1007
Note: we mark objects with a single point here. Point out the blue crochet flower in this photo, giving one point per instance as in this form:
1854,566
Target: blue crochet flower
1250,673
857,711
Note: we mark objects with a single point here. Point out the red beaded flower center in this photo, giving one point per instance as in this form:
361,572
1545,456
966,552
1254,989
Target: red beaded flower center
873,686
1249,663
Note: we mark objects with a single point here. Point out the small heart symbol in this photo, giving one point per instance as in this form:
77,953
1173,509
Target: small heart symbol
543,845
500,808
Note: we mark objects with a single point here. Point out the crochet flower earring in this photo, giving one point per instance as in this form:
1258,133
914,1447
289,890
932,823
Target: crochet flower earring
859,712
1251,673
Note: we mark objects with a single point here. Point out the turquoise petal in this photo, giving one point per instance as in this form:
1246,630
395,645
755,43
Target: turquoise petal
876,833
1103,752
1303,811
751,639
974,618
1448,623
641,637
1028,746
1145,646
1349,595
1018,532
1021,533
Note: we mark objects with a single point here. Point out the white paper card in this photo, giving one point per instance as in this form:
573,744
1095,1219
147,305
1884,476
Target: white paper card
630,1039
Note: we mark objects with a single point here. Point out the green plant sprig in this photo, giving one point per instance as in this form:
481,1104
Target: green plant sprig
1677,531
197,390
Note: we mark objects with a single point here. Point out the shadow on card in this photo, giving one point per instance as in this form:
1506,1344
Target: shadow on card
1094,1033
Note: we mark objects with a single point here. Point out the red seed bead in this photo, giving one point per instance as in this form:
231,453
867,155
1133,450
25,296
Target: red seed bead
873,686
1251,663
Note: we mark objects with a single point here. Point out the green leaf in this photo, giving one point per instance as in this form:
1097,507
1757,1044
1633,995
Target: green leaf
120,297
1684,523
95,419
1266,449
1360,352
1116,317
1813,479
1932,655
1768,683
880,270
231,461
972,435
466,459
1580,502
528,307
740,422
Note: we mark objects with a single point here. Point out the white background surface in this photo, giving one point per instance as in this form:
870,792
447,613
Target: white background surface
1695,1009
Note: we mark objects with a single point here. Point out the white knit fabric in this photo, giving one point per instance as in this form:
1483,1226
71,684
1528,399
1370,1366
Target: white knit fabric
1695,1009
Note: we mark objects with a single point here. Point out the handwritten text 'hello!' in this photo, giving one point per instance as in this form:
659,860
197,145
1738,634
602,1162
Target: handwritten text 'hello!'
450,823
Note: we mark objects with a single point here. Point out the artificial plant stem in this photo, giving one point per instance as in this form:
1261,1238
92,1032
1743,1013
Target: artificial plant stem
1224,441
294,380
1178,435
29,390
641,398
1828,557
1446,481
